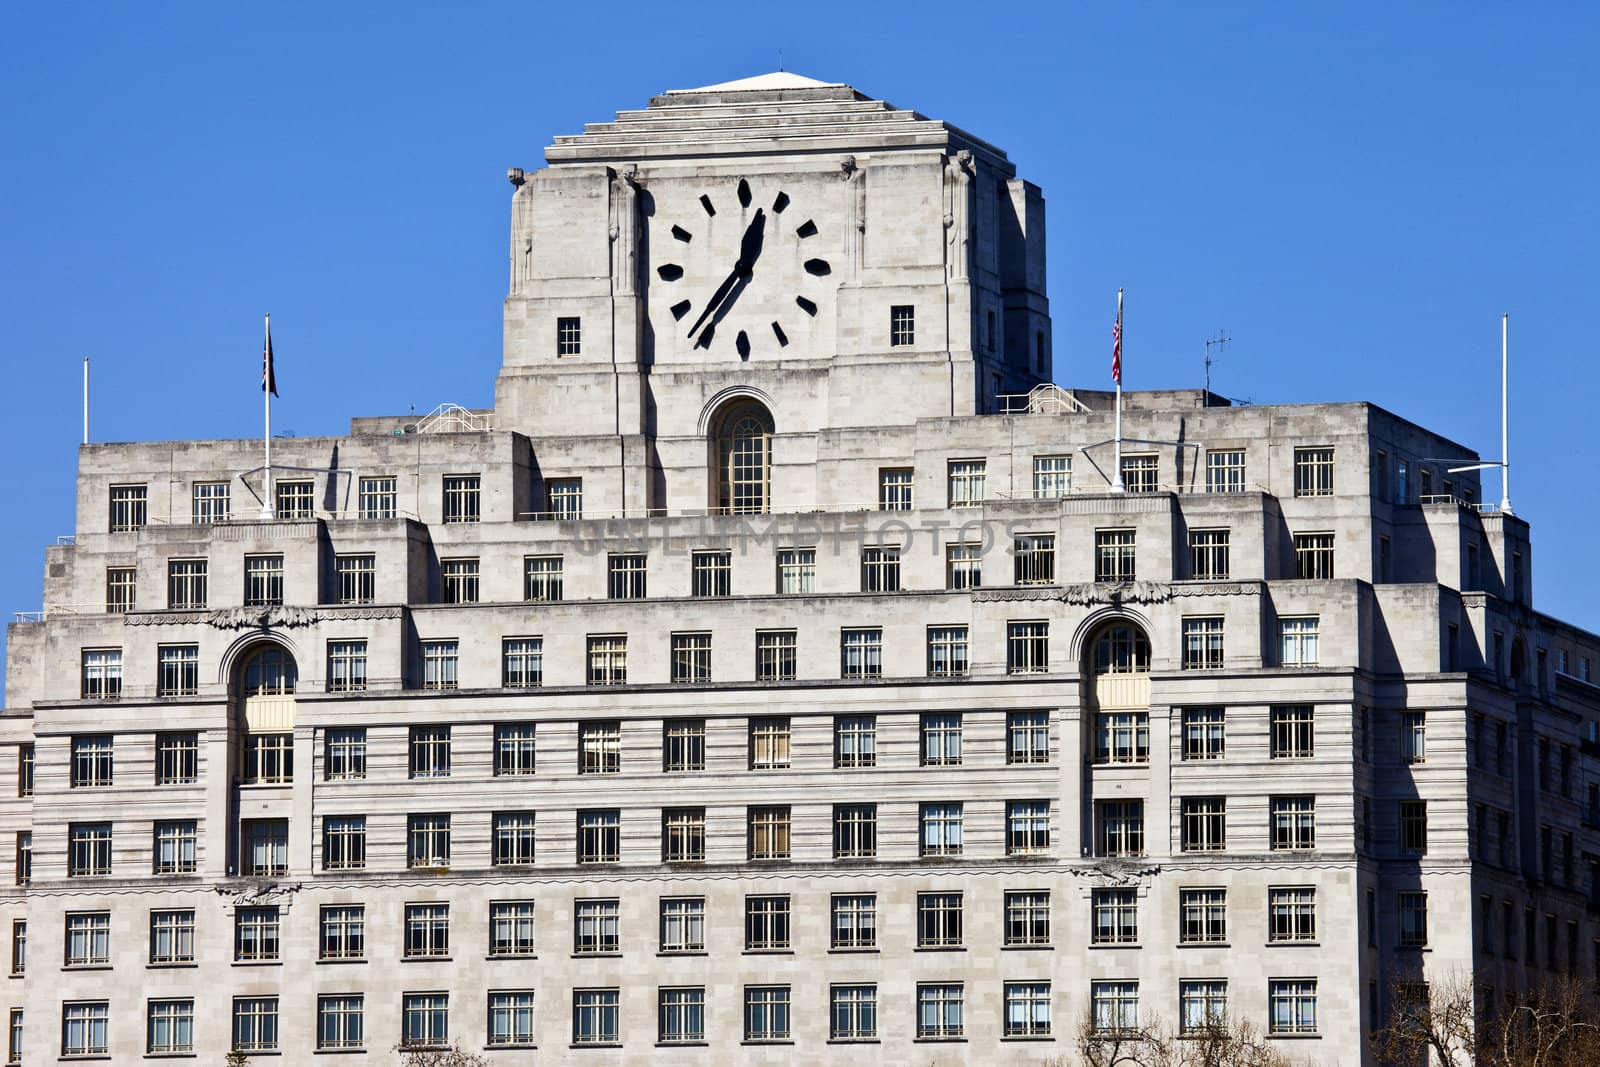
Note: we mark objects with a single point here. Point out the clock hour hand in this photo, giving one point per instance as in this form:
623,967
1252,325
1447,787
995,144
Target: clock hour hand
749,251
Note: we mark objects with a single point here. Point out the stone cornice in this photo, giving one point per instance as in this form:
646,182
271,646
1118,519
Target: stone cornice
263,618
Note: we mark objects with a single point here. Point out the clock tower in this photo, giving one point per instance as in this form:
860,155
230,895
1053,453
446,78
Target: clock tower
842,261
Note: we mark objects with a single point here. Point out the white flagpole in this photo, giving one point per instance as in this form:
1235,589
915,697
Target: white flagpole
85,399
1116,481
266,393
1505,452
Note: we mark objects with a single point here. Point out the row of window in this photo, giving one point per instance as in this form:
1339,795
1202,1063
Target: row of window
939,1014
777,657
377,496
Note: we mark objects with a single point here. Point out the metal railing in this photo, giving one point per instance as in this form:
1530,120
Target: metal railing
1046,399
453,418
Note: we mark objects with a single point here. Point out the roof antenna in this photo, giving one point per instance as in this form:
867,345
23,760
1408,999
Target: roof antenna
1218,342
780,61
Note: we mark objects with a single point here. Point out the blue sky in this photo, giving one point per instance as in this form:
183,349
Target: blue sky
1355,192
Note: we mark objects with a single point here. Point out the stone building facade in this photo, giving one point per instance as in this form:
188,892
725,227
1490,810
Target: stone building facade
773,672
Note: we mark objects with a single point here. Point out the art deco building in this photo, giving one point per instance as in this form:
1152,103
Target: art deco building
775,675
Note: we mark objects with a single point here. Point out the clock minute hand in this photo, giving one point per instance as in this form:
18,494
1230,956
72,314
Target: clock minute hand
717,297
749,251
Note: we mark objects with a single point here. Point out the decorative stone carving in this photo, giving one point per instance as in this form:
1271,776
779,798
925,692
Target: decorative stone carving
958,170
252,618
264,618
1114,871
1085,594
624,231
258,894
855,215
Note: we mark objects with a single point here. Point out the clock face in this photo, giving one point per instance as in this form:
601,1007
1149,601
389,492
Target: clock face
741,270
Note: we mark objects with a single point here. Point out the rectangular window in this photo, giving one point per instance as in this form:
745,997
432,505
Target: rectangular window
855,831
1294,823
462,498
691,658
129,507
902,325
599,836
514,750
510,1019
1313,556
511,928
776,655
84,1026
1292,1004
268,759
569,335
25,768
88,849
427,931
766,1013
1205,824
428,841
880,569
172,936
769,743
513,836
1202,1006
855,741
625,575
1209,555
1114,556
1027,918
608,659
861,653
1294,731
542,578
1115,915
177,845
1414,828
1028,737
257,935
1292,913
295,500
120,590
210,503
565,498
683,745
1313,472
376,498
424,1020
1034,557
344,842
1122,737
1413,736
1140,474
92,762
1052,477
24,855
458,581
948,651
855,921
347,666
681,1015
600,747
263,580
19,946
1027,647
88,935
963,566
941,739
1203,916
1121,825
169,1027
595,1016
711,574
441,662
1202,644
766,923
522,662
797,570
769,830
853,1012
357,576
941,828
596,928
894,488
1225,470
1027,827
939,920
1027,1009
683,835
940,1011
966,481
430,752
186,584
345,754
102,674
1299,641
1413,908
683,924
341,1021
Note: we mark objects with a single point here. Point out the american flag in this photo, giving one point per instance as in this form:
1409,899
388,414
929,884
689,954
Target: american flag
1116,345
269,381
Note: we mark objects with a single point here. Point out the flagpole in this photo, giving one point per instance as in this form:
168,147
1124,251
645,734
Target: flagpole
85,399
266,439
1116,481
1505,453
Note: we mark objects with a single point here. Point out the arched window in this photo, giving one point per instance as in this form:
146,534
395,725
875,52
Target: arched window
1121,648
743,456
268,671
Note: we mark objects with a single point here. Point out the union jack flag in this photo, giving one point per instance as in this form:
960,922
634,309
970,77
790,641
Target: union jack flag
269,382
1116,345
